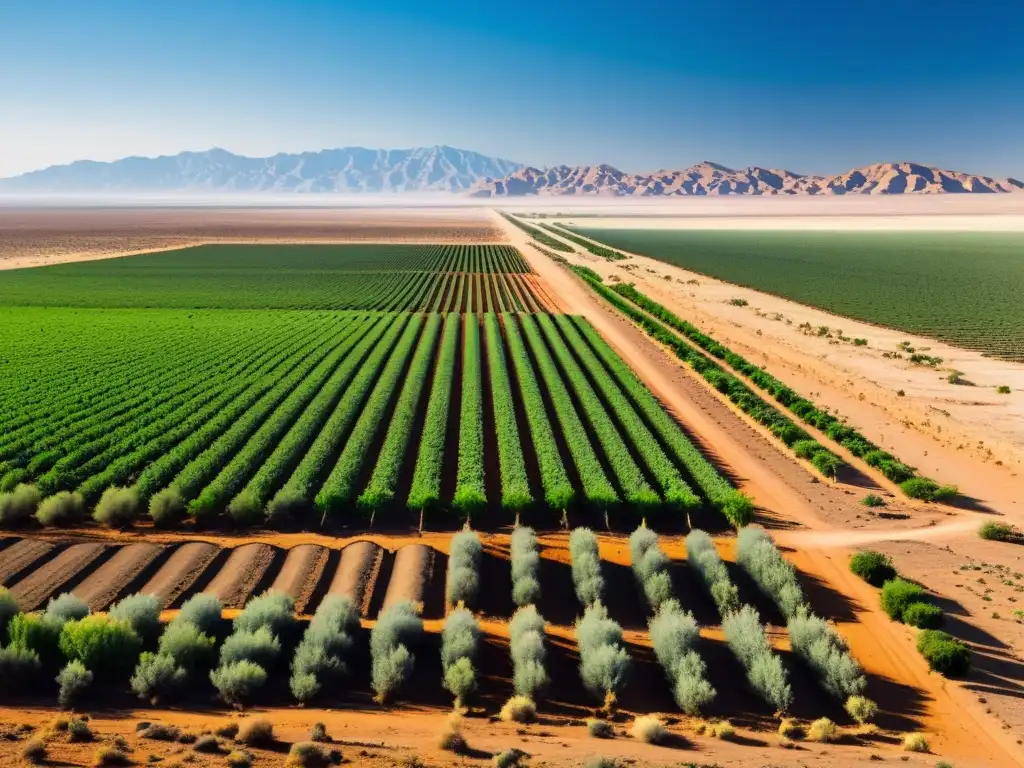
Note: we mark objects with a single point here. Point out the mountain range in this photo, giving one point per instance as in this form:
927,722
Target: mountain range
351,170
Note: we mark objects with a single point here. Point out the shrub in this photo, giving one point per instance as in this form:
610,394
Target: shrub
995,531
701,553
34,751
463,580
599,761
944,654
239,682
674,633
239,759
526,643
157,677
748,642
897,595
586,566
916,742
73,680
459,640
923,616
108,647
823,730
1003,389
259,646
518,709
805,449
109,756
66,607
60,509
451,738
873,500
255,732
79,731
318,733
723,730
307,754
508,758
245,509
927,490
775,576
202,610
790,729
604,663
525,567
8,610
738,509
207,744
188,646
141,612
19,667
825,651
274,611
650,566
392,661
600,729
39,635
161,732
167,508
649,730
323,655
861,709
227,731
117,507
874,567
19,505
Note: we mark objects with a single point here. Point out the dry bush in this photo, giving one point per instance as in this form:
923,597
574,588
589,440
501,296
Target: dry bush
307,754
790,729
79,731
34,751
916,742
227,731
823,730
861,709
509,758
451,738
600,729
161,732
318,733
649,730
109,756
723,730
239,759
255,732
519,709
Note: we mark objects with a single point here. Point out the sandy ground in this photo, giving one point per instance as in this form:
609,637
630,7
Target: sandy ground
33,236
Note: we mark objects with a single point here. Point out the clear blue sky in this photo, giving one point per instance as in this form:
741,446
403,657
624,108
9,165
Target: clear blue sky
811,85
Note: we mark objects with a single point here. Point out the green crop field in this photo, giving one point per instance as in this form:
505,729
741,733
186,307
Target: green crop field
960,287
478,401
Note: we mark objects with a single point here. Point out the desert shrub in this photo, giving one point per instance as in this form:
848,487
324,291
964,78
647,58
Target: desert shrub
805,449
19,667
239,759
61,508
927,490
141,612
944,654
600,729
463,580
323,655
995,531
747,640
307,754
529,654
161,732
318,733
586,566
109,756
79,731
823,730
66,607
604,663
397,630
202,610
648,729
674,633
255,732
451,739
873,500
188,646
825,651
650,566
874,567
518,709
39,635
167,508
791,729
923,616
702,555
117,507
8,610
207,744
916,742
525,566
508,758
259,646
459,640
227,731
897,595
827,463
861,709
157,677
73,680
273,610
34,751
239,682
19,505
107,647
774,575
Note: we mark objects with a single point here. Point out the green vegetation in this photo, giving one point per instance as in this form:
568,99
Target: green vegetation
973,278
996,531
944,653
874,567
594,248
540,236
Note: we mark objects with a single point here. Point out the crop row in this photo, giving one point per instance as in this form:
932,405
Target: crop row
537,234
595,248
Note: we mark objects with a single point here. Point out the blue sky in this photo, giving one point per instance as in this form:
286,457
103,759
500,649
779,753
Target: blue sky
811,86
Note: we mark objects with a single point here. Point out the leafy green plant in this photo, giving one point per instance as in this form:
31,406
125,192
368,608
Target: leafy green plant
874,567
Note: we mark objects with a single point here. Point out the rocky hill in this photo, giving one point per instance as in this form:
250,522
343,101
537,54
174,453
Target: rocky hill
345,170
712,179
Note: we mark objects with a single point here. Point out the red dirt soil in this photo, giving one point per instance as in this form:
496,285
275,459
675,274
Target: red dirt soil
108,581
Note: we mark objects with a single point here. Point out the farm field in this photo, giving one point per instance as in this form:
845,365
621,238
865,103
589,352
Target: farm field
959,287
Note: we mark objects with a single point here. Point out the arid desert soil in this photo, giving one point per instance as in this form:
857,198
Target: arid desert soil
37,236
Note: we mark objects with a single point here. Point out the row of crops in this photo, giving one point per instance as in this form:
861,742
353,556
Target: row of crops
319,277
280,415
198,653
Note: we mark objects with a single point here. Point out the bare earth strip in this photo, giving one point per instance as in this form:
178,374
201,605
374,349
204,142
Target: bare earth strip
180,571
237,579
104,585
33,590
18,556
357,570
301,573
